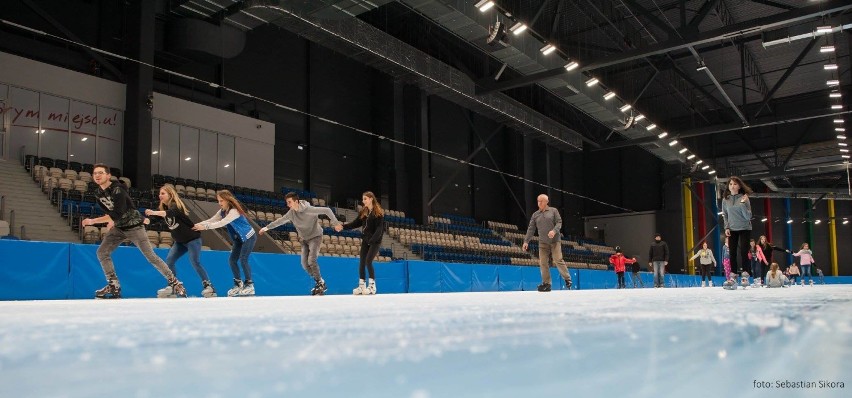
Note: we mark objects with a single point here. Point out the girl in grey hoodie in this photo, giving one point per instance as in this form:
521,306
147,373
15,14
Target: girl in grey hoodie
306,220
736,210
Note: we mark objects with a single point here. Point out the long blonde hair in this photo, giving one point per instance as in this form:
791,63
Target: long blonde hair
377,208
173,198
773,269
233,203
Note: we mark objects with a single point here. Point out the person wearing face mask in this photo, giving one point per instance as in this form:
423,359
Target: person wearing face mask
736,211
658,255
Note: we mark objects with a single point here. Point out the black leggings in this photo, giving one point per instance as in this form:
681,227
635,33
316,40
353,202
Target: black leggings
738,244
368,253
705,271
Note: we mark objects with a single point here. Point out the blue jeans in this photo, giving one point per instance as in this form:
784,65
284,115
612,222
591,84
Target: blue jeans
806,270
659,273
240,251
194,248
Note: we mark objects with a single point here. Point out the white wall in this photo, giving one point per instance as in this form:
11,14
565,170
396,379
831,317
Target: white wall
38,76
634,232
204,117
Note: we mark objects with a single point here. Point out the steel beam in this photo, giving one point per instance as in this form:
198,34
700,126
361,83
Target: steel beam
725,33
784,77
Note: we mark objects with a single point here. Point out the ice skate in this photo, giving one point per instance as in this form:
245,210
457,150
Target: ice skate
568,284
803,282
361,289
166,292
235,291
248,289
319,289
703,283
207,289
544,287
710,283
177,287
371,288
111,291
812,282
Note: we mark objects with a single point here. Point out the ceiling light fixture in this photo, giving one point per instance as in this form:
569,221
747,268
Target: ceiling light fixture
571,66
609,95
547,49
518,28
826,49
625,108
484,5
591,82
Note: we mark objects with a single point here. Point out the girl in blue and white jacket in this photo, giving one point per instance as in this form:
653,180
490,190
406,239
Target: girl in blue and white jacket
233,216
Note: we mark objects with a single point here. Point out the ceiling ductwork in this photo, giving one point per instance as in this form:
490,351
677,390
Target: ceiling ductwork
523,54
330,24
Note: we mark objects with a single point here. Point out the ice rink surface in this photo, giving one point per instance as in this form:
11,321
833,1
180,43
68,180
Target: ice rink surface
705,342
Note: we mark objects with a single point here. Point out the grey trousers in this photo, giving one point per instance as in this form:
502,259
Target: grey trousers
310,251
113,239
551,252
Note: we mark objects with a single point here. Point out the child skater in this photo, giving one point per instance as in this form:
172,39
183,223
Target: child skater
726,260
232,215
706,258
806,258
775,278
618,260
756,257
371,217
636,267
174,213
793,273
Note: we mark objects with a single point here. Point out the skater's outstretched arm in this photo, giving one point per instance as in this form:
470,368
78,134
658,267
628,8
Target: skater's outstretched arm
212,223
287,217
320,211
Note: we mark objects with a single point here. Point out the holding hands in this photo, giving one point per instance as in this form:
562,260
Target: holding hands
262,231
198,227
338,227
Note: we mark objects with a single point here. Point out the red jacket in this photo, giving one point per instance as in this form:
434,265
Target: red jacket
618,260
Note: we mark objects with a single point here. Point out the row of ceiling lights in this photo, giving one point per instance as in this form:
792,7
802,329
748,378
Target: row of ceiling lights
519,27
835,96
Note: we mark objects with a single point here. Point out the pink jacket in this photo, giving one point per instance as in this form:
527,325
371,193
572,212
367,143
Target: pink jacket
806,255
760,256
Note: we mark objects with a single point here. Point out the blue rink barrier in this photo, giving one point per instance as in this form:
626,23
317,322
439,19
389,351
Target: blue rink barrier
52,271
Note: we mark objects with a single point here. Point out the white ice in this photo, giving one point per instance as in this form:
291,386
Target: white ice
602,343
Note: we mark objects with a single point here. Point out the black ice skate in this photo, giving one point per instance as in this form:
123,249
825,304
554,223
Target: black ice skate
319,289
568,284
544,287
111,291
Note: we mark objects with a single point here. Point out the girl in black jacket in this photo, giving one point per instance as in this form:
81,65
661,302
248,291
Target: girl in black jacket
371,217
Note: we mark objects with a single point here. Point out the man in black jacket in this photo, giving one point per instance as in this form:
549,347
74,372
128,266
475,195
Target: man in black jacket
658,255
123,222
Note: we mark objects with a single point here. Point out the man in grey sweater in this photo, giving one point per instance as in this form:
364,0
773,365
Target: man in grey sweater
547,222
306,220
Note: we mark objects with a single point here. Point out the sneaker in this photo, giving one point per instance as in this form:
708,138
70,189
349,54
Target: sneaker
248,289
371,288
319,289
361,289
177,287
166,292
544,287
111,291
207,289
235,291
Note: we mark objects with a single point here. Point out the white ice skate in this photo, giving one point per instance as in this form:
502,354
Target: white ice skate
166,292
361,289
371,289
207,290
247,290
703,283
235,291
711,283
812,282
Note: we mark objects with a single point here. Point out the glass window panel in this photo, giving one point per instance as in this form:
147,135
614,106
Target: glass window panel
53,114
207,156
169,145
23,121
110,123
189,152
225,166
83,135
155,146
